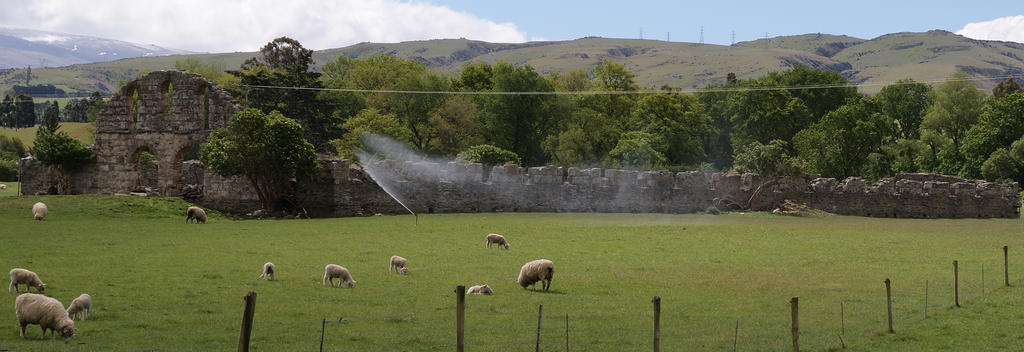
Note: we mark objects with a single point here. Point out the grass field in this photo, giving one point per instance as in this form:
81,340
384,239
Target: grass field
160,284
83,131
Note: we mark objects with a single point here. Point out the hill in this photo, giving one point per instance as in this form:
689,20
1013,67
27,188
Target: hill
928,57
82,131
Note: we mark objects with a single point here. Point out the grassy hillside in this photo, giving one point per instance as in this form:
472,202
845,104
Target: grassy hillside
929,57
160,284
82,131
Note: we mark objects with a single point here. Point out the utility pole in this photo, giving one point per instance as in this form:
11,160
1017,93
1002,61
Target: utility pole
641,33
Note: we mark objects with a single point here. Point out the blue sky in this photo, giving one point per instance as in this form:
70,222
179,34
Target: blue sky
245,25
560,20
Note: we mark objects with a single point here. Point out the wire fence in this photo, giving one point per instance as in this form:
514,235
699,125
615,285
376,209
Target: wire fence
824,324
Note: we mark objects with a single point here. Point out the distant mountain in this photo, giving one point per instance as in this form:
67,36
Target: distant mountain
25,47
926,57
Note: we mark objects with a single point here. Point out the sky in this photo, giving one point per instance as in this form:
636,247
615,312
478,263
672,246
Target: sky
246,25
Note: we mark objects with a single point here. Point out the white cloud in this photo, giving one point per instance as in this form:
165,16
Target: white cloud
1004,28
246,25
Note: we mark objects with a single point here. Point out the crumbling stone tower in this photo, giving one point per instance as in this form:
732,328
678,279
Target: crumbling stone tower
166,113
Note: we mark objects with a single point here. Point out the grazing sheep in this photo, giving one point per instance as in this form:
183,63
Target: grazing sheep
31,308
499,239
3,187
22,276
268,271
82,304
195,213
538,270
39,210
332,271
480,290
399,264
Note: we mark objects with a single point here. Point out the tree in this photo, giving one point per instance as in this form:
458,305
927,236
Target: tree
24,111
7,118
212,70
839,145
64,153
267,150
637,150
958,103
614,76
906,102
285,63
415,109
678,121
764,115
772,159
455,126
1004,88
368,121
516,121
1000,124
51,118
819,101
1006,164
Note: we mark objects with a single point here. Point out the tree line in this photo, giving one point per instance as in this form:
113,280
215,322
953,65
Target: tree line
798,121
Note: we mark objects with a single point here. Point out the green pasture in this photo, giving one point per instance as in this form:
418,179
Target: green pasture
160,284
83,131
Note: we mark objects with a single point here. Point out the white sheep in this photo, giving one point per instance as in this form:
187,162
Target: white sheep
31,308
268,271
195,213
479,290
3,187
538,270
498,239
39,210
399,264
332,271
81,305
22,276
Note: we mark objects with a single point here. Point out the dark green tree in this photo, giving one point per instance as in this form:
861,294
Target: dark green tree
819,101
24,111
455,126
763,115
51,118
1006,164
517,122
7,117
369,120
1004,88
906,102
267,150
285,63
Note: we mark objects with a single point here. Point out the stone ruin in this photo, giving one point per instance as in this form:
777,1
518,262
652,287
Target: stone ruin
170,113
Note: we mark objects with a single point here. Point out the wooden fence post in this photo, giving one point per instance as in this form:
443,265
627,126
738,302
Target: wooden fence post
246,331
795,303
956,283
323,327
540,310
657,323
460,318
888,301
566,332
1006,265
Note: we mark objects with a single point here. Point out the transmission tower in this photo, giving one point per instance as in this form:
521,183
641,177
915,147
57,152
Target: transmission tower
733,41
702,34
641,33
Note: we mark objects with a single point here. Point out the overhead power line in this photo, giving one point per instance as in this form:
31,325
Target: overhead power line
621,92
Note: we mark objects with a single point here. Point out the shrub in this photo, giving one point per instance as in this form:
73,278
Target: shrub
488,155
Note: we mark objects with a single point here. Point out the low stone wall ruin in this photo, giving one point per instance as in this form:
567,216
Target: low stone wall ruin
170,114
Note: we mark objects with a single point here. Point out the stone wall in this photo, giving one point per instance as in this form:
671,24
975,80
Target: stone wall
170,113
166,113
